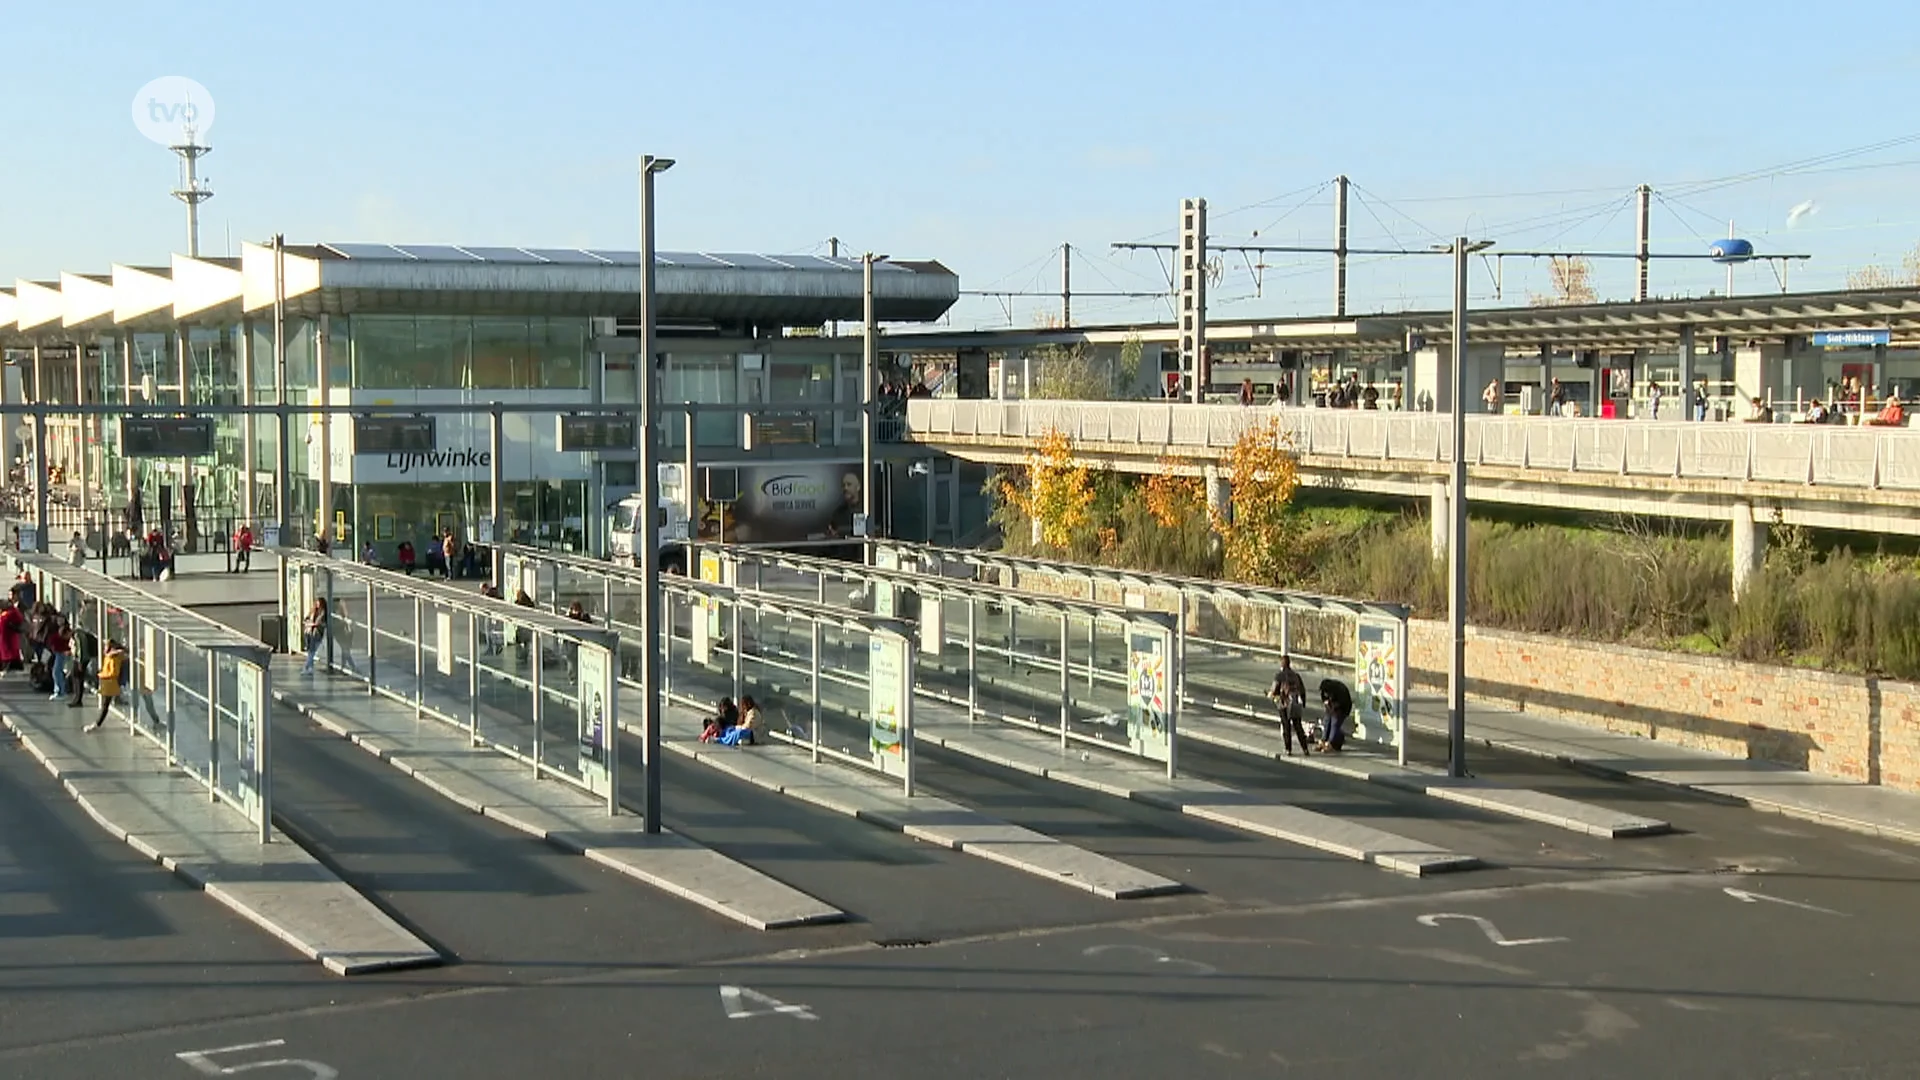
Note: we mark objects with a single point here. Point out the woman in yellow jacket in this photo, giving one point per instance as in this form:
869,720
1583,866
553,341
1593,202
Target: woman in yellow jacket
113,669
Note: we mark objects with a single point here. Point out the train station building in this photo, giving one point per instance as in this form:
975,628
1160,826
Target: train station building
392,326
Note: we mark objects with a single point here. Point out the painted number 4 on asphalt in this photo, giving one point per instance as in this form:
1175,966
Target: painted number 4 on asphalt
745,1003
202,1061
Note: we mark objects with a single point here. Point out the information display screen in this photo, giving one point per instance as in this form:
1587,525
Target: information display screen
394,434
589,432
166,437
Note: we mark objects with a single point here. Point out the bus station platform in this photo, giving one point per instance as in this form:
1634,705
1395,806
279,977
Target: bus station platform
443,757
126,784
791,770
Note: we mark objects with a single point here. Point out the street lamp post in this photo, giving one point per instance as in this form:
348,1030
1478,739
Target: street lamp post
653,639
869,372
1457,520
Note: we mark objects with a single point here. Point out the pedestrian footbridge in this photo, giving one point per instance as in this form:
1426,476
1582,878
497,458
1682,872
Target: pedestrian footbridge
1854,478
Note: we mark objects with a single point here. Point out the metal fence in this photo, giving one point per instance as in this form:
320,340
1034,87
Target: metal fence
520,681
1817,455
854,674
195,688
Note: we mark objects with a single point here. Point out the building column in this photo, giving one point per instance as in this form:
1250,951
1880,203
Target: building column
1439,518
1749,546
1684,359
1546,379
80,424
322,343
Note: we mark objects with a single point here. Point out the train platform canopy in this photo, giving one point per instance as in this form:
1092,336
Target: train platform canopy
764,291
1623,325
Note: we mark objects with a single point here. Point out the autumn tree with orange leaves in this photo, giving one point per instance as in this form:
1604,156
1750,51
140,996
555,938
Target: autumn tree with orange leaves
1260,530
1059,490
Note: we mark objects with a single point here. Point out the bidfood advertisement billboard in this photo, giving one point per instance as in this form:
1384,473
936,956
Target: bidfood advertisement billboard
783,503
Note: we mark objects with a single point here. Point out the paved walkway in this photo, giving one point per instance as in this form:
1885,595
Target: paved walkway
439,755
1844,804
124,782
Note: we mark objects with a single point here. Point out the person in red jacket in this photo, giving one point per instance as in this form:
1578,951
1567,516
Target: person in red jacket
13,625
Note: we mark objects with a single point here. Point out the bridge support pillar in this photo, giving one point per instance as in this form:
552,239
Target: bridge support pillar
1439,517
1749,546
1219,493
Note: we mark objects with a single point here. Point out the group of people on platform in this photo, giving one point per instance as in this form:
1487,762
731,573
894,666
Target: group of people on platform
447,557
57,656
734,725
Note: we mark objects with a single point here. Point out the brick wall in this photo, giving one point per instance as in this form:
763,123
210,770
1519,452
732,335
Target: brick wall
1847,726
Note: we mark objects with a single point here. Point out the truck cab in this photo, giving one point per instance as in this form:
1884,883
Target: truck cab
630,526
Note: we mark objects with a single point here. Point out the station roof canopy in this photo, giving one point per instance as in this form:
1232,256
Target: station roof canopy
425,279
1623,325
428,278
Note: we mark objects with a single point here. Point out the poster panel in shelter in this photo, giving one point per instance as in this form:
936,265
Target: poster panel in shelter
1376,708
250,706
887,690
1149,731
597,721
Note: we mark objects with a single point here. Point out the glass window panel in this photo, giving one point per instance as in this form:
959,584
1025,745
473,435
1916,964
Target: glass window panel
560,354
384,357
502,354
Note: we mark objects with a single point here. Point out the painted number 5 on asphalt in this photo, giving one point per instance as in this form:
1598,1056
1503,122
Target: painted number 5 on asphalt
202,1061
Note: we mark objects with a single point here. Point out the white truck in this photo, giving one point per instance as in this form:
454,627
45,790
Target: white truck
628,526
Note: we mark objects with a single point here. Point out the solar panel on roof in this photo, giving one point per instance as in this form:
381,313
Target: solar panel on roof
619,258
504,255
438,253
367,251
570,256
747,261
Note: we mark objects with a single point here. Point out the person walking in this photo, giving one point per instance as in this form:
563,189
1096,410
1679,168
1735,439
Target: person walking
77,549
319,629
59,642
243,549
13,625
1289,693
85,650
113,668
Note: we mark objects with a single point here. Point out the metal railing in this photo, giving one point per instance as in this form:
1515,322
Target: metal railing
723,639
1856,458
523,682
195,688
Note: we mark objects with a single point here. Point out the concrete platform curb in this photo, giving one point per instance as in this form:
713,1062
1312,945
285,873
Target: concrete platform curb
630,855
1730,790
246,898
1005,843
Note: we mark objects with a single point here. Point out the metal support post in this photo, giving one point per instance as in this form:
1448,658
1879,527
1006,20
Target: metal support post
81,422
1066,684
473,680
496,445
813,729
322,378
283,457
1457,510
420,661
332,616
213,725
973,666
373,641
534,649
248,451
41,516
734,633
652,641
1093,628
263,749
690,495
869,370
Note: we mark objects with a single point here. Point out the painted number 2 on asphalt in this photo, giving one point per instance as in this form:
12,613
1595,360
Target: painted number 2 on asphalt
1493,932
247,1057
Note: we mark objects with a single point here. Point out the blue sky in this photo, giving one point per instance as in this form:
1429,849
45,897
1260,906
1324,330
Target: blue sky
986,134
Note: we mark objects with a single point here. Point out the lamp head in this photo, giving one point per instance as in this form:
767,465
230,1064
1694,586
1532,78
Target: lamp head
652,164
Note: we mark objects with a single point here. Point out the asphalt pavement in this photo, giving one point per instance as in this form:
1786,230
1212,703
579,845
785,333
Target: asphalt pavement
1742,945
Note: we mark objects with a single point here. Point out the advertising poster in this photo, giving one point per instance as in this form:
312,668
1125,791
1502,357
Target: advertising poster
1147,728
596,716
443,642
783,503
250,705
710,572
887,701
883,605
1375,677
